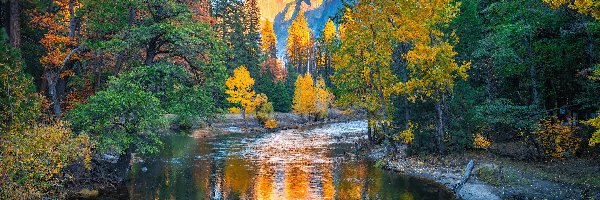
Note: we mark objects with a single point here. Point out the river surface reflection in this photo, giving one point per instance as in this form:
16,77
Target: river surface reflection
317,163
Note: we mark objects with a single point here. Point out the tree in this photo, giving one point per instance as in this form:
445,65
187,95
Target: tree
329,41
61,43
33,153
304,95
175,89
323,98
364,74
158,31
299,44
588,7
239,89
268,40
122,120
19,104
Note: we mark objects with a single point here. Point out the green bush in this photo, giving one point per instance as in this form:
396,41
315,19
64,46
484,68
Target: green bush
175,90
120,118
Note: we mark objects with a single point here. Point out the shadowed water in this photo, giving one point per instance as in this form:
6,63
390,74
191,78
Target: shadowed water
317,163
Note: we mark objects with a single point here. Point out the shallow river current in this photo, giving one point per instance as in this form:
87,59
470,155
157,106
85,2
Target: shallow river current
314,163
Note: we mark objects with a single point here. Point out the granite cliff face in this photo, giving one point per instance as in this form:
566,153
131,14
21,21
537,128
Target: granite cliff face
282,12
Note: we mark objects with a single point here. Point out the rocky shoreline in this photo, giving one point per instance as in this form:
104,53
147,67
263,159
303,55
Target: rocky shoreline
493,177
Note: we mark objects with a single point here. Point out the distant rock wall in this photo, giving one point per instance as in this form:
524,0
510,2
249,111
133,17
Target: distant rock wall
282,12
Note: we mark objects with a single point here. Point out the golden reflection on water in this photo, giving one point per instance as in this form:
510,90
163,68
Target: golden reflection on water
271,171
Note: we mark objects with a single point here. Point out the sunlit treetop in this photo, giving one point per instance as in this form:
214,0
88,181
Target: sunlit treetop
329,32
268,40
588,7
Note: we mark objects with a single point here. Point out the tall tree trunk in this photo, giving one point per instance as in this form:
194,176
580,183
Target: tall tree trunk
15,24
52,79
244,117
151,50
532,74
440,127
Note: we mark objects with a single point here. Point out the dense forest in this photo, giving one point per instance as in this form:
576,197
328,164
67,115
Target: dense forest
83,80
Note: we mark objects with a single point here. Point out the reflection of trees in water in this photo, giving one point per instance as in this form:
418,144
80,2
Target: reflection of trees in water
238,177
302,167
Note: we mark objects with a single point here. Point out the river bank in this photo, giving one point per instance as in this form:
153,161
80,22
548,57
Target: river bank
497,177
234,123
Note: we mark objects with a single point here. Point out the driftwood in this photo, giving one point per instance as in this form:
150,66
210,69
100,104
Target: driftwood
465,177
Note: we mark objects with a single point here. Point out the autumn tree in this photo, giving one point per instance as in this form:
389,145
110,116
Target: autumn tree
299,44
363,64
61,43
323,98
268,40
33,153
304,95
239,89
588,7
327,45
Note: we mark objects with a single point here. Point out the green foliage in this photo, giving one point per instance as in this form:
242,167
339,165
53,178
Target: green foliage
33,159
503,117
32,155
123,117
166,32
175,90
275,90
19,104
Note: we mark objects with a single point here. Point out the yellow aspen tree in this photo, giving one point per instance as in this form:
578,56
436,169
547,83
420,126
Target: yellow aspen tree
371,30
323,99
299,43
304,95
239,89
268,42
329,37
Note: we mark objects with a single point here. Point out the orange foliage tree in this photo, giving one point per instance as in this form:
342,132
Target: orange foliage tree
299,43
239,89
61,43
304,95
268,41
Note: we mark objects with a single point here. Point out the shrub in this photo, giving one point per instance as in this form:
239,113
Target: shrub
271,124
264,114
174,89
120,118
33,159
481,142
557,139
408,135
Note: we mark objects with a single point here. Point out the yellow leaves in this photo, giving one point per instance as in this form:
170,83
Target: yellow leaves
310,98
239,89
271,124
481,142
323,98
408,135
235,110
588,7
304,95
269,39
329,32
37,156
556,138
595,122
299,41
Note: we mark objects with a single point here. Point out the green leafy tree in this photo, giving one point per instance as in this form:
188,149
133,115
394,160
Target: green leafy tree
121,119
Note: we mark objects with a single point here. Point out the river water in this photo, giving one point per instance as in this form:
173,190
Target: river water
315,163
